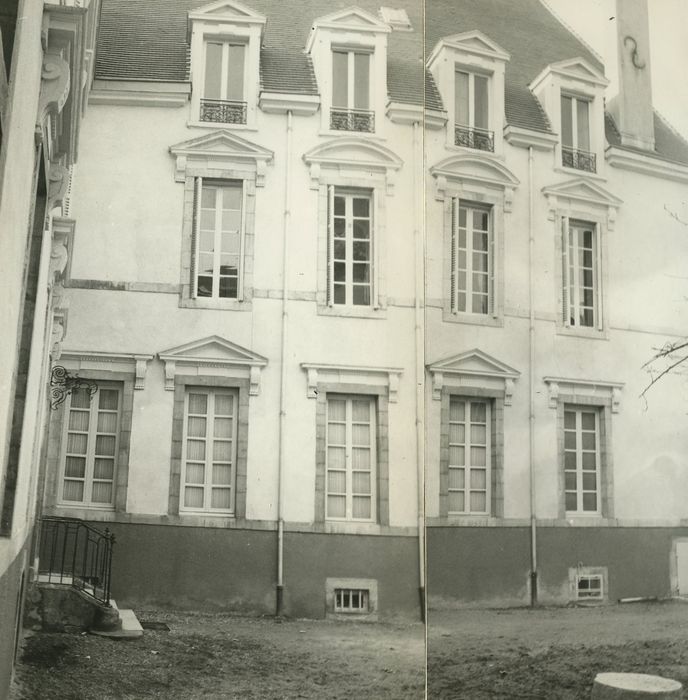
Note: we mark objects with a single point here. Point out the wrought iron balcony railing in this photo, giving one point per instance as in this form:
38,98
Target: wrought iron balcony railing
578,159
224,111
473,137
352,120
75,554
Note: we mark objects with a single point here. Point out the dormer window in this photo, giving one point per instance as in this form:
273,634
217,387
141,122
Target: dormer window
575,134
223,87
351,91
471,111
469,72
349,53
225,39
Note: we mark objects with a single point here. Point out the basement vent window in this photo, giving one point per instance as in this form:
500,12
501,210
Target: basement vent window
397,19
351,600
590,587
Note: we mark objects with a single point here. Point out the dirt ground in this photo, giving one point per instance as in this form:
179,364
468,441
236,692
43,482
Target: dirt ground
222,656
551,653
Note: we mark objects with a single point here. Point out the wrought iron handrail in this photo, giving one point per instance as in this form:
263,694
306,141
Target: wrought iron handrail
473,137
578,159
352,119
76,554
224,111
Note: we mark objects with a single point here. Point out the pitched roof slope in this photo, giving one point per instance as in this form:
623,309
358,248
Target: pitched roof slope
526,29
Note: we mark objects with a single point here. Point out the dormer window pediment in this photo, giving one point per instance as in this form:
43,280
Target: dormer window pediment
572,94
225,39
469,71
349,53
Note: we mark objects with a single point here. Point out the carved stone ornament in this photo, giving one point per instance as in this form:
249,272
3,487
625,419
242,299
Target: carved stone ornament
57,337
58,185
55,83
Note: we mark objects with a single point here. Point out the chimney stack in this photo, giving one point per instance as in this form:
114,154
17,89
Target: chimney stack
632,108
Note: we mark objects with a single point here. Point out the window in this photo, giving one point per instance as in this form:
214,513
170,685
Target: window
219,239
90,456
351,458
351,91
209,450
581,460
581,274
471,111
472,268
575,134
590,587
351,600
223,97
469,456
350,247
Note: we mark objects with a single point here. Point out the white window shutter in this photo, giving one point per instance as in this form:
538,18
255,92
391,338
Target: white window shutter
374,249
330,245
195,231
566,281
597,279
492,263
454,242
242,235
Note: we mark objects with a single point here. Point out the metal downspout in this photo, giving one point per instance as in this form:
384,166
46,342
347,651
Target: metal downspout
283,374
420,364
531,387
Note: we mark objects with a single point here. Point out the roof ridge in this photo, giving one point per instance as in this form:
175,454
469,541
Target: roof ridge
571,30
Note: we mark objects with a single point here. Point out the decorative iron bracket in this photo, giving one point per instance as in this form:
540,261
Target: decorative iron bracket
62,384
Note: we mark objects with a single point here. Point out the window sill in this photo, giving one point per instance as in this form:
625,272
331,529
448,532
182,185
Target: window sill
217,304
580,332
345,132
496,154
578,172
222,125
473,319
350,527
352,312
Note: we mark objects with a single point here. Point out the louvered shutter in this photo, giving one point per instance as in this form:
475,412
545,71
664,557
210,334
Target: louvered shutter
195,235
566,273
330,245
454,243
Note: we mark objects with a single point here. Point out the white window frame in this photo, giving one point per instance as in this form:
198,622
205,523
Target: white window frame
580,491
590,577
348,446
208,485
90,456
572,230
575,134
472,73
467,445
349,195
226,42
340,607
456,206
351,75
199,184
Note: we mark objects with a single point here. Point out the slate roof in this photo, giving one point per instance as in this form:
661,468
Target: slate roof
147,40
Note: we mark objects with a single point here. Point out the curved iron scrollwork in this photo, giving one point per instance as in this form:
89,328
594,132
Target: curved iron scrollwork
62,383
635,59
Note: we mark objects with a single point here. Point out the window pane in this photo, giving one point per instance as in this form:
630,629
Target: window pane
478,479
222,450
78,420
457,456
105,445
223,427
340,80
336,481
478,502
75,466
481,101
456,502
336,506
361,507
590,481
360,458
228,287
81,398
571,501
195,473
193,497
195,449
569,419
361,272
583,125
457,434
589,501
361,229
104,469
569,440
102,492
196,427
589,460
566,122
360,434
73,491
570,460
222,474
336,434
336,457
235,73
457,478
457,410
107,422
361,206
361,483
478,434
478,412
198,403
213,70
221,498
588,421
76,443
224,405
570,481
361,295
361,81
461,98
588,441
108,399
478,456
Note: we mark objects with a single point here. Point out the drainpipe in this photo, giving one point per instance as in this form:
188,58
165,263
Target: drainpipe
420,365
283,374
531,387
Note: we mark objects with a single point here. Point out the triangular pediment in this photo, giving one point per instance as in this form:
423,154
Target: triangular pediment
477,169
352,18
221,143
474,363
476,42
213,350
356,151
583,190
227,11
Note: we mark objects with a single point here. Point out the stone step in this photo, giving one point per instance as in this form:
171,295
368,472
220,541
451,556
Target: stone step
130,628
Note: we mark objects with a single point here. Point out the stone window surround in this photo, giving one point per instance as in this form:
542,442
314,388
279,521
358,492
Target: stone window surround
575,572
496,399
182,382
369,584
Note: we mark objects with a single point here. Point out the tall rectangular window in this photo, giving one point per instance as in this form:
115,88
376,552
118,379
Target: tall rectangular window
351,458
218,244
209,450
471,111
91,447
581,459
581,274
575,133
472,259
223,98
351,91
469,456
350,247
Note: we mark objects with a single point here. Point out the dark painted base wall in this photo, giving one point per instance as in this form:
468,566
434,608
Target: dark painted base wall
10,594
236,570
474,565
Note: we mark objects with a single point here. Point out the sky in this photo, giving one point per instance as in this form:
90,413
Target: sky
593,21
